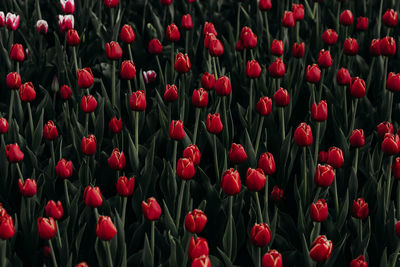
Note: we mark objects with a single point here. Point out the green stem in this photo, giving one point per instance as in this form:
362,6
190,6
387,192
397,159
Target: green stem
112,19
216,159
3,253
230,226
353,119
266,217
226,128
316,148
389,178
251,102
238,21
53,157
96,214
53,255
109,258
196,125
113,93
19,172
187,42
125,200
10,109
172,61
338,16
75,59
169,111
58,236
398,200
66,193
30,119
174,157
179,208
317,194
360,230
390,106
259,213
87,171
336,196
282,119
215,68
260,128
267,30
137,133
130,52
259,257
380,19
305,182
321,82
345,107
356,161
160,70
396,254
371,68
39,14
153,223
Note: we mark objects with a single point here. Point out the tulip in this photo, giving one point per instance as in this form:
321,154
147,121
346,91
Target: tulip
149,76
350,47
346,18
343,77
192,152
105,228
319,211
321,249
319,112
154,47
272,259
397,229
255,179
13,153
298,50
12,21
182,63
151,209
7,229
390,18
277,69
166,2
277,48
65,92
115,125
88,103
393,82
360,209
197,247
85,78
264,106
298,11
260,235
111,3
391,144
383,128
176,131
208,81
324,59
375,47
92,197
357,87
335,157
66,22
89,145
73,38
267,163
239,45
82,264
47,228
362,23
223,86
64,169
137,101
200,98
303,135
172,33
215,47
288,19
253,69
230,182
28,188
67,6
3,126
213,123
359,262
323,156
113,50
2,19
186,22
324,175
264,5
195,221
209,28
170,93
281,97
357,138
248,37
396,168
127,35
50,131
276,194
42,26
329,37
17,52
54,209
237,154
185,169
13,81
202,261
117,160
27,92
313,73
125,186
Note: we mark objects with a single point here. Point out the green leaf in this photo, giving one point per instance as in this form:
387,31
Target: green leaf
169,222
37,136
146,255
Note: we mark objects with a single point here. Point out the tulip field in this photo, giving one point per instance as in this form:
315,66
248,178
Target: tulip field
199,133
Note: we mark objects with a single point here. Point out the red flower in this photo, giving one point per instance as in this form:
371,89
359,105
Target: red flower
248,37
13,153
42,26
362,23
319,112
360,209
85,78
66,22
105,228
209,28
277,68
329,37
154,47
186,22
202,261
113,50
73,38
92,197
54,209
137,101
375,47
255,179
111,3
288,19
260,235
350,47
230,182
65,92
128,70
237,154
277,48
88,103
7,229
223,86
28,188
127,35
50,131
281,97
115,125
64,169
335,157
197,247
182,63
276,194
396,168
393,82
346,18
298,50
151,209
357,138
303,135
192,152
208,81
343,76
267,163
213,123
324,59
166,2
13,80
264,5
319,211
68,6
397,229
357,87
3,126
391,144
185,169
176,131
47,228
321,249
89,145
387,46
215,47
264,106
117,160
322,156
313,74
200,98
298,11
195,221
324,175
383,128
272,259
170,93
17,52
172,33
27,92
12,21
390,18
359,262
253,69
125,186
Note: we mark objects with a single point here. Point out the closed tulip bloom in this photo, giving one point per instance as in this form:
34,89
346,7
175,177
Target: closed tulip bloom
182,63
154,47
357,138
375,47
137,101
253,69
125,186
73,38
3,126
2,19
14,153
82,264
202,261
50,131
186,22
359,262
350,47
65,92
17,52
324,175
239,45
282,98
298,11
319,112
42,26
335,157
105,228
313,73
151,209
343,76
321,249
396,168
267,163
393,82
64,169
66,22
12,21
397,229
230,182
362,23
209,28
237,154
113,50
117,160
288,19
277,68
115,125
329,37
27,92
223,86
195,221
277,48
207,81
264,106
192,152
149,76
7,229
215,48
324,59
383,128
213,123
319,211
111,3
172,33
185,169
248,37
260,235
264,5
208,38
390,18
47,228
272,259
391,144
170,93
85,78
298,50
255,179
323,156
67,6
276,194
176,131
128,70
166,2
127,35
346,18
28,187
360,209
89,145
303,135
13,81
88,103
54,209
200,98
92,197
197,247
357,87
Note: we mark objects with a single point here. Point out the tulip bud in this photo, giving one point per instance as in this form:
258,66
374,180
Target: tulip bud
323,156
324,59
208,81
260,235
264,5
28,188
329,37
2,19
27,92
13,80
85,78
200,98
213,123
151,209
66,22
89,145
319,211
65,92
357,87
223,86
113,50
3,126
166,2
303,135
115,125
82,264
357,138
288,19
192,152
282,98
267,163
128,70
54,210
383,128
7,229
195,221
393,82
391,144
319,112
12,21
359,262
209,28
321,249
202,261
396,168
182,63
346,18
253,69
237,154
255,179
390,18
47,228
197,247
335,157
360,209
186,22
42,26
111,3
277,48
154,47
277,68
248,37
362,23
172,33
324,175
397,229
350,47
117,160
73,38
230,182
67,6
298,50
272,259
127,35
276,194
88,103
215,47
313,74
343,77
239,45
125,186
64,169
137,101
264,106
105,228
92,197
17,52
176,131
13,153
149,76
375,47
298,11
185,169
50,131
170,93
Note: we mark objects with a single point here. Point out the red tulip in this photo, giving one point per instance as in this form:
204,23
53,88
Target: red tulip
185,169
89,145
288,19
277,68
127,35
264,106
360,209
115,125
154,47
176,131
322,156
375,47
27,92
362,23
85,78
200,98
73,38
13,81
117,160
321,249
195,221
208,81
277,48
329,37
324,175
397,229
267,163
213,123
237,154
137,101
391,144
92,197
105,228
64,169
248,37
125,186
359,262
202,261
383,128
28,188
111,3
14,153
65,92
182,63
223,86
253,69
209,28
319,211
192,152
172,33
357,138
215,47
47,228
396,168
303,135
50,131
7,229
343,77
346,18
350,47
260,235
82,264
313,74
54,209
298,50
113,50
272,259
387,46
298,11
128,70
12,21
324,59
319,112
281,97
255,179
88,103
390,18
393,82
357,87
335,157
17,52
3,126
151,209
66,23
197,247
264,5
170,93
276,194
186,22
